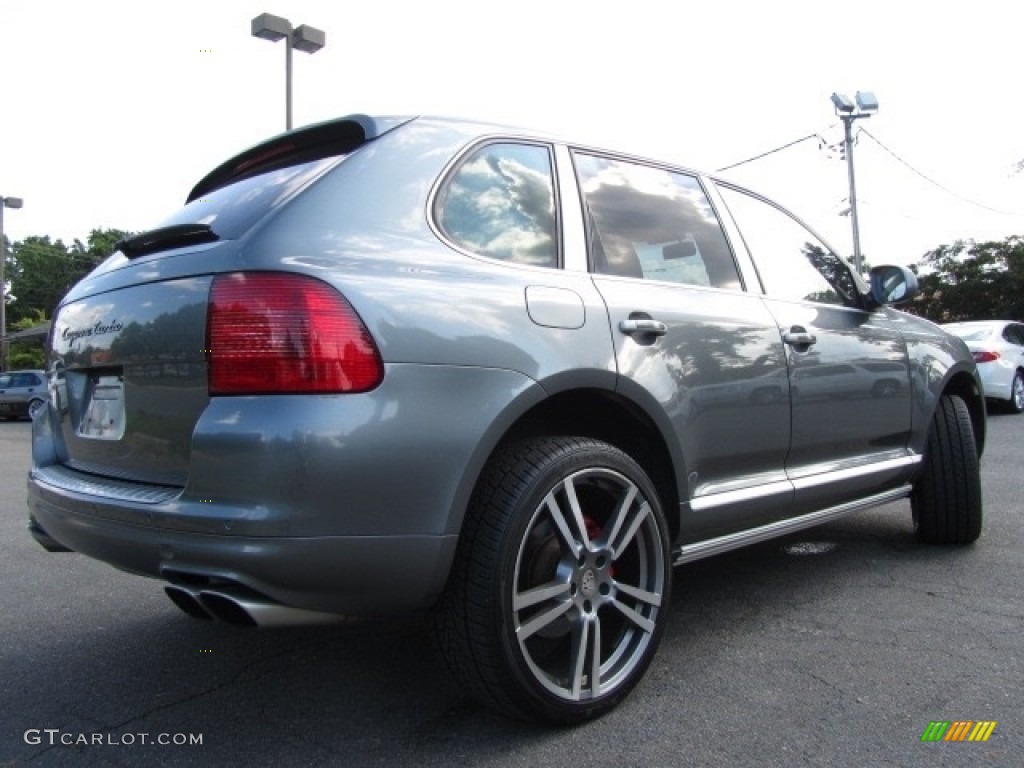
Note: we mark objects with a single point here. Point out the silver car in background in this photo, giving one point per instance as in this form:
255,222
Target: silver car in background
22,393
998,349
395,365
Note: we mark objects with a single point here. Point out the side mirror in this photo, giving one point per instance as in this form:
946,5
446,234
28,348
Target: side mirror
892,285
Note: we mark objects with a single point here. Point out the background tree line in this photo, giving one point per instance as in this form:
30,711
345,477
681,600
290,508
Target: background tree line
971,281
967,280
39,272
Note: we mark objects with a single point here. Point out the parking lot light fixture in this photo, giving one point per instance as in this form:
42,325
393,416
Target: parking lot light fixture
848,111
5,202
305,38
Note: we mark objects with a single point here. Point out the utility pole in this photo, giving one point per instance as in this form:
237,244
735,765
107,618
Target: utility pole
5,202
848,112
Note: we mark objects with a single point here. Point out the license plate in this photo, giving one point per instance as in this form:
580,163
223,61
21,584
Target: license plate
104,416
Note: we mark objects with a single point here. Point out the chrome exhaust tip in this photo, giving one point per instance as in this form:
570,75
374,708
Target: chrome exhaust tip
188,602
245,610
243,607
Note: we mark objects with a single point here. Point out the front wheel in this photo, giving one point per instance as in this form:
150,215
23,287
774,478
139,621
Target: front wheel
558,595
946,501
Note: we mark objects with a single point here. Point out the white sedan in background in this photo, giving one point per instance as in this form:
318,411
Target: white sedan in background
998,349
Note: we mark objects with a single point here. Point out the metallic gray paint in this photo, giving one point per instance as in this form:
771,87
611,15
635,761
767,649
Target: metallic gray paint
353,503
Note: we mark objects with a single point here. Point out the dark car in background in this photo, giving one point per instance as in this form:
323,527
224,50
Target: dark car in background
22,393
390,365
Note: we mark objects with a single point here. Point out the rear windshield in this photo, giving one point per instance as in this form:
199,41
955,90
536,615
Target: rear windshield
230,211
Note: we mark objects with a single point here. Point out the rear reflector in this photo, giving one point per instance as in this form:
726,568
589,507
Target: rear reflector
985,357
277,333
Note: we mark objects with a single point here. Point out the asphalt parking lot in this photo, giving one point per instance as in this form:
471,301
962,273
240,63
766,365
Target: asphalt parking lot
837,646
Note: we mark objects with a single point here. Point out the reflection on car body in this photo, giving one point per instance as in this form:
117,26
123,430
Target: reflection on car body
390,365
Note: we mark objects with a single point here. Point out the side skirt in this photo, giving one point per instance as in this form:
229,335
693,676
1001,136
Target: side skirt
716,546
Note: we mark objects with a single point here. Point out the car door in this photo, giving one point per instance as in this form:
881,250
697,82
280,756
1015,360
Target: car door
690,343
848,367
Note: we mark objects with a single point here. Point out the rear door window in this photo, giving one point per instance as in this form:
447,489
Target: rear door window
500,203
652,223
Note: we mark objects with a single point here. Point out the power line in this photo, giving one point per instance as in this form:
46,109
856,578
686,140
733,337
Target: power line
771,152
932,181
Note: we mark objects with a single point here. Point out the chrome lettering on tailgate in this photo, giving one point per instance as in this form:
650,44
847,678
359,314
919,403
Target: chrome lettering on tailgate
104,414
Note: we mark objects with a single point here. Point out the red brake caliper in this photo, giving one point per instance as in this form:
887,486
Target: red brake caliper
594,531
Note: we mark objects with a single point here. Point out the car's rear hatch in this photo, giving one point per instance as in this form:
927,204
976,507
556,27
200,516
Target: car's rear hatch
128,360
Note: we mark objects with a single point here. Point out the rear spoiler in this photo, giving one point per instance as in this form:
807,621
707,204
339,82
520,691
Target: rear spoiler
311,142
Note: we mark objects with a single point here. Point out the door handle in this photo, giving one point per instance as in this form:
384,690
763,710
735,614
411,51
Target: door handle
798,337
644,326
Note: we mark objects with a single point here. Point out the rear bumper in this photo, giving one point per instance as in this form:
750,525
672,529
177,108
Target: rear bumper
352,575
996,379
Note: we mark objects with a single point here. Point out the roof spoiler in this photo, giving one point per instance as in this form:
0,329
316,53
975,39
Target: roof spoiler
311,142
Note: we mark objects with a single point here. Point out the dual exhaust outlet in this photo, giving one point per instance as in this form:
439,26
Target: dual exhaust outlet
243,608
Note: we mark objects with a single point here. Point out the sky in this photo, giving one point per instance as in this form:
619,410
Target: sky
111,111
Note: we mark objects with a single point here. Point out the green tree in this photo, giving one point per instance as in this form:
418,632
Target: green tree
26,354
972,281
40,272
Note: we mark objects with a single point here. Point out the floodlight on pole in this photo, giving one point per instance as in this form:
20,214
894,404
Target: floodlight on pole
848,111
5,202
305,38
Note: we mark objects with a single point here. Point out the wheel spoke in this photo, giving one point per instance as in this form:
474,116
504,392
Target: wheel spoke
531,597
562,525
577,513
651,598
578,658
622,514
595,659
641,514
542,620
644,623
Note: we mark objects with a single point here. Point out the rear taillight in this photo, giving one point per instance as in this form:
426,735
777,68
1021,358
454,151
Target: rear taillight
985,357
275,333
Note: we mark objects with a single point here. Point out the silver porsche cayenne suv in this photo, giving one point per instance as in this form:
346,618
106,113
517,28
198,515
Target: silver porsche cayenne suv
386,365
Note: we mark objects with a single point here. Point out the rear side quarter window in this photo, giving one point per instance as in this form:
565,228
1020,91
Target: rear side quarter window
499,202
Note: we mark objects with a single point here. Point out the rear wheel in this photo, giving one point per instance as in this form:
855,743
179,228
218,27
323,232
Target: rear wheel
34,407
1016,402
559,592
946,501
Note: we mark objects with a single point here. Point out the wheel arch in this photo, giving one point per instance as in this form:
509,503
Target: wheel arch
600,414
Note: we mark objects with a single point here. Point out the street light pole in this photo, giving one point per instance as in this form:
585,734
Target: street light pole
304,37
288,84
5,202
848,112
858,259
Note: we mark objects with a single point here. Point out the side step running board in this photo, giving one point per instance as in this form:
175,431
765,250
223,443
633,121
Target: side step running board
690,552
